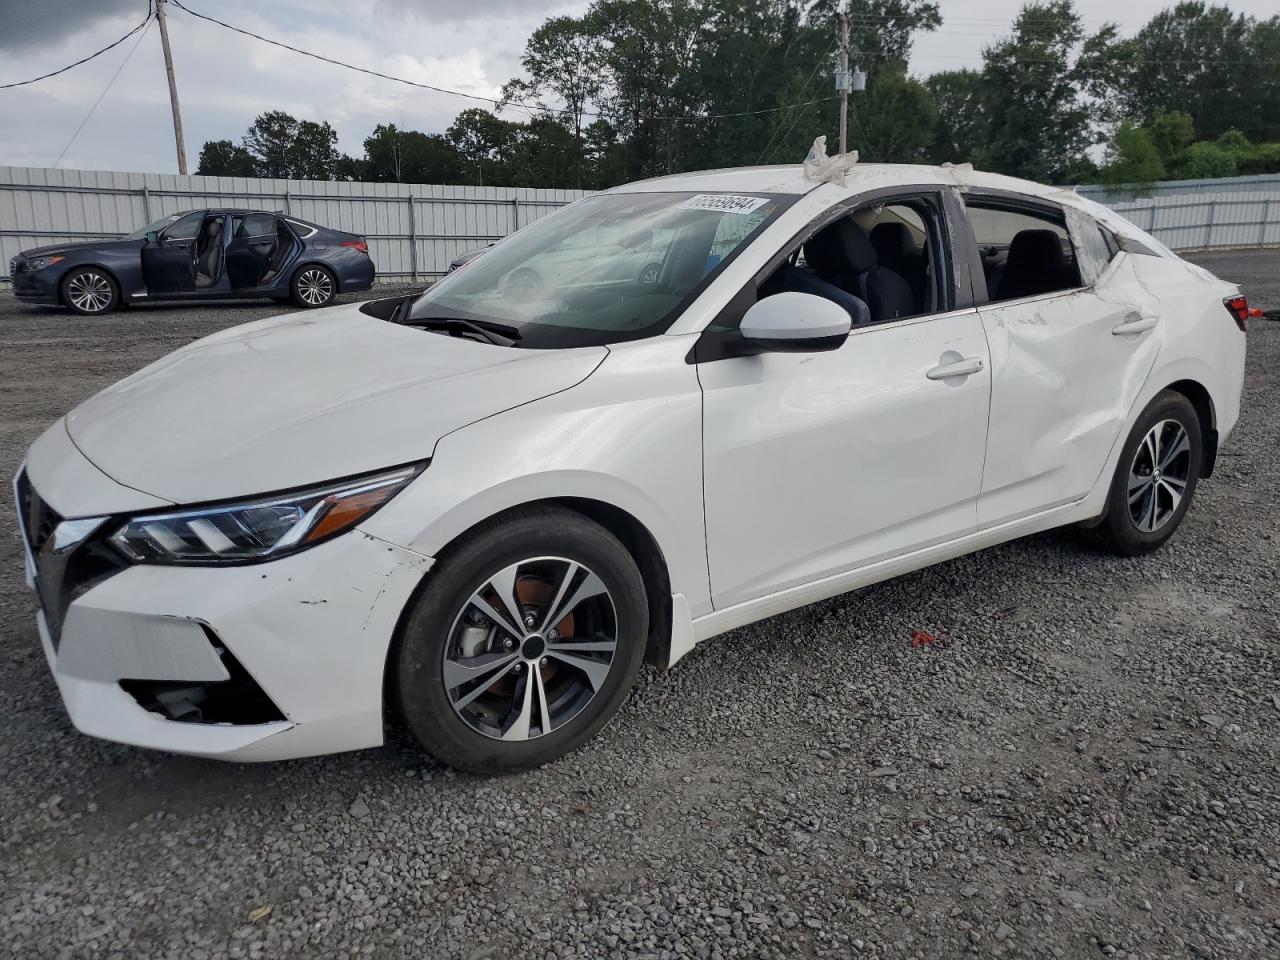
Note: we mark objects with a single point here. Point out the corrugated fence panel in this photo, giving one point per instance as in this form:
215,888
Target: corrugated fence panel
414,230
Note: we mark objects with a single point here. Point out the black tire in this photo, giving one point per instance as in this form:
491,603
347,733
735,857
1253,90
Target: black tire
1145,524
89,291
313,286
424,703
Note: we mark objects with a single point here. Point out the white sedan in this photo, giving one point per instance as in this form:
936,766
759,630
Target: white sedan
476,512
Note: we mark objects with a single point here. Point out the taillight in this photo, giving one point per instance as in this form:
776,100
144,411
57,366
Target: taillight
1241,311
357,244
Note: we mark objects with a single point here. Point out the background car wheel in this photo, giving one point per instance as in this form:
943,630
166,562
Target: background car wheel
524,643
90,291
314,286
1155,478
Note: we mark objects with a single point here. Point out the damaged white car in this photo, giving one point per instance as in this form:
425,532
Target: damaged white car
476,512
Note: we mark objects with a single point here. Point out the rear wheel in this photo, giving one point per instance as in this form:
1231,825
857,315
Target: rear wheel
90,291
524,643
314,286
1155,478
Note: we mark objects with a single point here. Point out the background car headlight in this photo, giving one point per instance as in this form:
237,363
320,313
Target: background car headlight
39,263
257,529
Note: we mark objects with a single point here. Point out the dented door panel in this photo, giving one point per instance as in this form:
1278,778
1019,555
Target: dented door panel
1066,369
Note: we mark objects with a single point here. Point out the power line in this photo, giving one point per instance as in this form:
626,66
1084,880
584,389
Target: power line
72,66
123,63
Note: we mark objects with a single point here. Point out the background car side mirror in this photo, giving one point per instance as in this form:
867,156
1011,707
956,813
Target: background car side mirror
795,323
153,237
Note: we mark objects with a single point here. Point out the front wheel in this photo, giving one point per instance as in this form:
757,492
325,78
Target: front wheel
1155,478
90,291
314,286
524,643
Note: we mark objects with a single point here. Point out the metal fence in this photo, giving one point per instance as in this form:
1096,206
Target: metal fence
414,230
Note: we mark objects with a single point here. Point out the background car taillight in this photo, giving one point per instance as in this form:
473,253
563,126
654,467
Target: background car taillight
360,245
1241,311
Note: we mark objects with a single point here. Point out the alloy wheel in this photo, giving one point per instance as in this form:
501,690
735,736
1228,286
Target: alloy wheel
315,287
531,647
90,292
1159,475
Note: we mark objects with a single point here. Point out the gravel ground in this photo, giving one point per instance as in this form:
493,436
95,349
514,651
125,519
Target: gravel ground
1085,764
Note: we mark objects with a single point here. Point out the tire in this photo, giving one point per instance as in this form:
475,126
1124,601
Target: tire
502,730
89,291
313,286
1142,512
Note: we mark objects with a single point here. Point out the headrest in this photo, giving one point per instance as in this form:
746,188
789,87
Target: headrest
840,247
893,242
1037,248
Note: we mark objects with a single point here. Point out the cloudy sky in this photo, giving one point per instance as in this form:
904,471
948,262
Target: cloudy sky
225,79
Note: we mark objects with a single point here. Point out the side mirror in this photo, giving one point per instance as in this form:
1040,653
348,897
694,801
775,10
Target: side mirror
153,237
795,323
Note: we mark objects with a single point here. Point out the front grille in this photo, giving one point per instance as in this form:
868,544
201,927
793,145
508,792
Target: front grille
61,578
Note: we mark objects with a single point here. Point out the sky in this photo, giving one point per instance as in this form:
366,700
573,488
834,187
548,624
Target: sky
225,80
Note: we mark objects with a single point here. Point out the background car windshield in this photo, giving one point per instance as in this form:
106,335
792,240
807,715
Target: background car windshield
609,268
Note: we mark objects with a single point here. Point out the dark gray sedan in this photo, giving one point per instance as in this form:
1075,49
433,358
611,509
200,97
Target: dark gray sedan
197,255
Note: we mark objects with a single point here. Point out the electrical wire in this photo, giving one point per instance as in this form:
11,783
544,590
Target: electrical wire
72,66
123,63
794,120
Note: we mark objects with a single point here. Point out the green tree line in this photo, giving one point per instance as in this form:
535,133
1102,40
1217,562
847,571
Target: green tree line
640,88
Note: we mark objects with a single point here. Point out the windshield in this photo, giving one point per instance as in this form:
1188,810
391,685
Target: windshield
159,225
608,268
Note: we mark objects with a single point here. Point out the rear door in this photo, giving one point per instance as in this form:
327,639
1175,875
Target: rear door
1071,340
168,264
820,463
254,241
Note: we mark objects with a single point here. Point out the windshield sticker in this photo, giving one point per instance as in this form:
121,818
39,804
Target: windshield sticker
724,203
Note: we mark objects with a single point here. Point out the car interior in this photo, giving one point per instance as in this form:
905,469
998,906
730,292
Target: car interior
259,247
1025,253
877,262
208,252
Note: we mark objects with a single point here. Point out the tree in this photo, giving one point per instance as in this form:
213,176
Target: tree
222,158
1204,160
1188,58
894,121
1132,158
1040,125
286,147
563,58
409,156
485,142
1171,132
961,125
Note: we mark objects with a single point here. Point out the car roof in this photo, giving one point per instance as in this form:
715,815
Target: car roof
790,179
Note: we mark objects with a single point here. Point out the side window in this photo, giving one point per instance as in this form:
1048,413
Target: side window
186,228
1025,251
253,225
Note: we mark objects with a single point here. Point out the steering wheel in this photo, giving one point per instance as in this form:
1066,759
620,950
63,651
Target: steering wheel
521,284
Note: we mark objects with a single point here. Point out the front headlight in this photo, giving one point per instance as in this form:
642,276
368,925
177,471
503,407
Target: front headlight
261,529
39,263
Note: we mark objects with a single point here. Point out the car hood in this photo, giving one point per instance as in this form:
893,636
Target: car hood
73,247
302,399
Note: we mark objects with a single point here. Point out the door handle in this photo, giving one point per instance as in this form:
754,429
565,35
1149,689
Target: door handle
1135,323
959,368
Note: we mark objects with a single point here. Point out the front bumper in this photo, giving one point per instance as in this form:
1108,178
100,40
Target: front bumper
38,287
311,632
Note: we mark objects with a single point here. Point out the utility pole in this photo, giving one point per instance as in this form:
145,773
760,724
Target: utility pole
173,86
843,81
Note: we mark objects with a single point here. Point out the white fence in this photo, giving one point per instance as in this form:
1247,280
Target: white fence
414,230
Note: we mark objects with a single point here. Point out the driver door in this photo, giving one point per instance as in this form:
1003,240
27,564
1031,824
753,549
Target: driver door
818,464
168,263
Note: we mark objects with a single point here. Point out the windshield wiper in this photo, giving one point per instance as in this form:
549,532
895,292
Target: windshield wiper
498,334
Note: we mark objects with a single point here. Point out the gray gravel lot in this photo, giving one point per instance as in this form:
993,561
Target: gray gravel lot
1086,764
